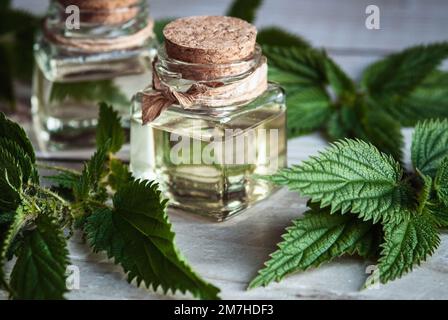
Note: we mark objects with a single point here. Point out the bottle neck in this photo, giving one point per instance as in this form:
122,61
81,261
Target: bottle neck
204,88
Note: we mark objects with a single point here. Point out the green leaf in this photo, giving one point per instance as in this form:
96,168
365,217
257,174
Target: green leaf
13,21
400,73
352,176
5,4
441,182
308,109
244,9
6,218
301,66
10,182
275,36
18,221
17,30
94,170
39,272
12,131
439,213
310,241
429,146
338,79
343,123
384,132
428,101
406,244
27,168
158,28
90,91
138,235
424,195
119,174
66,180
109,128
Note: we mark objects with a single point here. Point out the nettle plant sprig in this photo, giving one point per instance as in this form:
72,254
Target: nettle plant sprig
394,92
362,202
117,214
399,90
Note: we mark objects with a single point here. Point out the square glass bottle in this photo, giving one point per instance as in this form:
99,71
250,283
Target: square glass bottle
105,58
220,121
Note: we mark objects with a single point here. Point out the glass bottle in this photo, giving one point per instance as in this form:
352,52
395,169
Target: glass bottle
206,157
105,58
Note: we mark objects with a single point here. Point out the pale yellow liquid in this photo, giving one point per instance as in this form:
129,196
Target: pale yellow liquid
217,190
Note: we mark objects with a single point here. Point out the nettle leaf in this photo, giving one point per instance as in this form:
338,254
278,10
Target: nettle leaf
429,146
67,180
12,131
400,73
10,182
308,109
244,9
316,238
28,171
406,244
384,132
16,221
352,176
18,28
441,182
343,123
119,174
109,129
428,101
39,272
300,66
20,221
91,91
424,194
339,81
94,170
138,235
439,213
275,36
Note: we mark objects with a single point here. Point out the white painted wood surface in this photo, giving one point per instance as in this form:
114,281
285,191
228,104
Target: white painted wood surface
229,254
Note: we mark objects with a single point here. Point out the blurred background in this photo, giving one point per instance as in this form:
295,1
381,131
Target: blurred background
337,25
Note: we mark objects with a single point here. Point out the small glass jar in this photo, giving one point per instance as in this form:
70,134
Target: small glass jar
205,156
105,59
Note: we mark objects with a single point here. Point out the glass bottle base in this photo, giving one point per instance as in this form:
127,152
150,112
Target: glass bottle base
203,175
65,113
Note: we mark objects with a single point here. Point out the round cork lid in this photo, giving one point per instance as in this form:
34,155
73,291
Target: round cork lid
209,39
104,11
99,4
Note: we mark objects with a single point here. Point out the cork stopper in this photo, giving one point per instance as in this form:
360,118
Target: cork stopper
210,39
104,11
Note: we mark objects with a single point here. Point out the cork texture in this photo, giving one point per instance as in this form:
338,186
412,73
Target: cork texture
104,11
210,39
99,4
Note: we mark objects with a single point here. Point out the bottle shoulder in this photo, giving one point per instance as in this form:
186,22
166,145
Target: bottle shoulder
270,104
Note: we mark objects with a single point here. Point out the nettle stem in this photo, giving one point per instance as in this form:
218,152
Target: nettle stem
52,194
57,168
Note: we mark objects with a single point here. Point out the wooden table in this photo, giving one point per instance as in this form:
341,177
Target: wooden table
229,254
